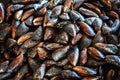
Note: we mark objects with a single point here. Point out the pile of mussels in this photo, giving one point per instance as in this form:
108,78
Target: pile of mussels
60,40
